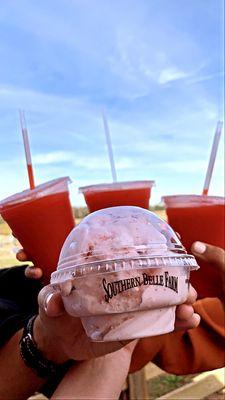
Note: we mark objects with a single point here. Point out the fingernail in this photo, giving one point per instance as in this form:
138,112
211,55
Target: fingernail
48,298
197,319
199,247
39,272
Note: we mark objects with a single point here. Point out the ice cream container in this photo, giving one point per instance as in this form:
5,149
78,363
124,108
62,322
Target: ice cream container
123,270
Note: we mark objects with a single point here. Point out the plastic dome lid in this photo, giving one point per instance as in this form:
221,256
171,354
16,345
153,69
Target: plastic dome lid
118,238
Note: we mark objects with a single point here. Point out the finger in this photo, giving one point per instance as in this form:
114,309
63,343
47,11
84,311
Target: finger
51,302
33,272
184,312
193,322
54,305
192,295
178,235
209,253
21,255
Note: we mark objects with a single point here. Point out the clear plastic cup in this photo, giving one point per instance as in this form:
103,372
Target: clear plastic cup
199,218
134,193
41,219
123,271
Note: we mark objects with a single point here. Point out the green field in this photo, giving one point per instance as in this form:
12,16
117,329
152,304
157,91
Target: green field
4,228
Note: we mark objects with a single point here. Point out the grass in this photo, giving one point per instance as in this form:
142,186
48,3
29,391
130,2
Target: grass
9,262
166,383
4,229
161,214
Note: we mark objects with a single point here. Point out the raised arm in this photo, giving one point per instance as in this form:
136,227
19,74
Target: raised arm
195,350
99,378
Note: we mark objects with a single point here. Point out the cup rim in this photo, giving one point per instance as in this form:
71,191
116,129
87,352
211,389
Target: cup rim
117,265
126,185
192,200
32,194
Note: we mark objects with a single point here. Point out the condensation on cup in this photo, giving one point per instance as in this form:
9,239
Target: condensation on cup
123,270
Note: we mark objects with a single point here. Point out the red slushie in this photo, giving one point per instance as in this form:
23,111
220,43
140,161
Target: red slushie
135,193
199,218
41,219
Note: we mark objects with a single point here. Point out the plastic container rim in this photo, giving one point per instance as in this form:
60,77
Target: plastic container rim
118,265
32,194
186,200
101,187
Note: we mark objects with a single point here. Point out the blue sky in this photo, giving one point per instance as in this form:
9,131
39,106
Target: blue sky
155,66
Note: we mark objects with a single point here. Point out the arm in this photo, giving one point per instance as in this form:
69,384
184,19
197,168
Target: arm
16,380
13,370
58,336
191,351
200,349
195,350
100,378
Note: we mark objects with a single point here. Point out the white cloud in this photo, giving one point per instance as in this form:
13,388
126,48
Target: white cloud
53,157
171,74
203,78
16,97
88,162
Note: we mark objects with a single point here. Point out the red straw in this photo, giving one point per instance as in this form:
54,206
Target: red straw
27,148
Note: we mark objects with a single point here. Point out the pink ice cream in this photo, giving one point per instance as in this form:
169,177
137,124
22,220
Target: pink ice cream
123,271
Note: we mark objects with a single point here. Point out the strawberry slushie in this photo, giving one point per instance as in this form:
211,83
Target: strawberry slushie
199,218
41,219
134,193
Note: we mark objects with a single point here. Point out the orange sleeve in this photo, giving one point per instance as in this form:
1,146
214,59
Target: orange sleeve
193,351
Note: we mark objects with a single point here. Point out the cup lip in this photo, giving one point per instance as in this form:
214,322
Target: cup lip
126,185
118,265
32,194
191,200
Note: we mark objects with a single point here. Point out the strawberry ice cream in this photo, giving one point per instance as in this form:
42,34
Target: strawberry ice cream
123,271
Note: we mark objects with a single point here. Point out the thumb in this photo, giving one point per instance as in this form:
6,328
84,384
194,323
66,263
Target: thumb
212,254
50,301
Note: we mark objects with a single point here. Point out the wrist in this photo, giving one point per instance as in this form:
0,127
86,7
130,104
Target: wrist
46,344
128,349
123,355
32,356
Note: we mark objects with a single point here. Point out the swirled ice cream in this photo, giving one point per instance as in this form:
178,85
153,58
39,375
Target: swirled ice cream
123,271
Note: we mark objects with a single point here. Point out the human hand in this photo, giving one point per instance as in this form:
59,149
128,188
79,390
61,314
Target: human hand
31,271
215,256
60,336
186,318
